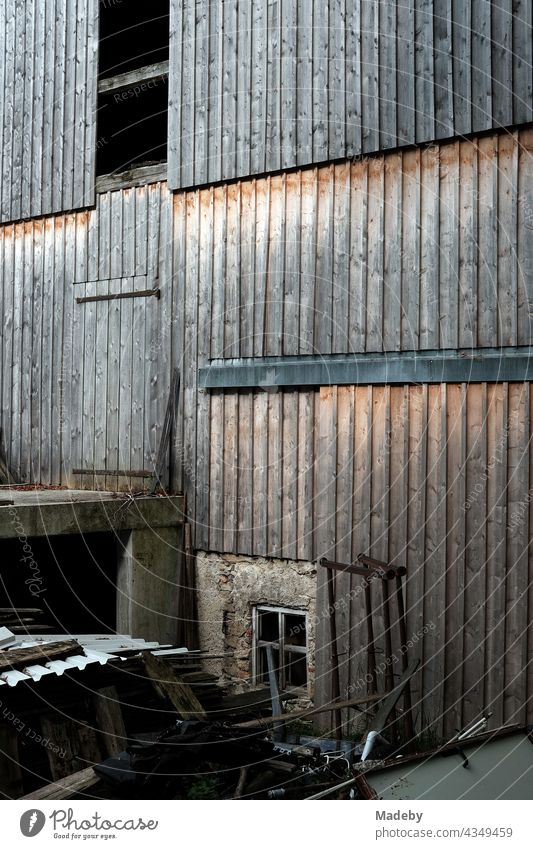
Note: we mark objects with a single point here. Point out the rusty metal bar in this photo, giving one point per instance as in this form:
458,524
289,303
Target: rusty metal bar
380,564
365,571
144,293
123,473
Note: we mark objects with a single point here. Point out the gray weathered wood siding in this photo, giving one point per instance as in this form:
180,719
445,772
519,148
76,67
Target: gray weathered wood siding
438,479
262,85
48,69
417,250
85,385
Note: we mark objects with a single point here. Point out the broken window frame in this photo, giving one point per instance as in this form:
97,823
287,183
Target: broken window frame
278,645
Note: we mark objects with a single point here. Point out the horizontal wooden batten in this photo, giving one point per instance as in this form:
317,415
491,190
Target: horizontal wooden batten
481,365
133,79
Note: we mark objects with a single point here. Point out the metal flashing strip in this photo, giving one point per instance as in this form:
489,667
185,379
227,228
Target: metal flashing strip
475,365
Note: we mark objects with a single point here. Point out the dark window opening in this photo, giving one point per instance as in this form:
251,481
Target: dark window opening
132,34
132,110
284,630
71,581
133,130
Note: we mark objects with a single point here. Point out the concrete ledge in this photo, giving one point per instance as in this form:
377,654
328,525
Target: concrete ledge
53,512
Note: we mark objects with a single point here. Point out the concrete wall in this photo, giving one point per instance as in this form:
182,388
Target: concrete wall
228,587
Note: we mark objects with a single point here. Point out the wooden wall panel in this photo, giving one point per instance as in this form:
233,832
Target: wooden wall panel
421,250
299,82
451,502
48,68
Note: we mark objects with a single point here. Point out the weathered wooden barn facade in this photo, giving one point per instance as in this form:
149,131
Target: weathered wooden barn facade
341,244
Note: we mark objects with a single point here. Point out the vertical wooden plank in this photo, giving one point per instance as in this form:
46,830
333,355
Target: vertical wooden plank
289,474
62,225
497,439
319,81
305,466
244,88
292,256
58,145
36,352
260,59
260,471
430,270
231,454
376,225
69,107
125,383
392,236
434,603
190,342
175,120
288,83
336,125
353,77
481,66
244,472
387,76
217,469
8,102
101,310
524,248
205,289
424,71
113,385
507,271
448,244
341,258
455,555
468,255
219,264
274,308
522,62
88,400
274,478
326,472
443,68
323,333
24,434
304,82
370,75
475,554
89,160
187,71
410,297
462,66
201,93
109,228
405,57
231,280
358,256
142,313
229,87
29,82
416,529
518,542
307,261
487,242
8,334
502,63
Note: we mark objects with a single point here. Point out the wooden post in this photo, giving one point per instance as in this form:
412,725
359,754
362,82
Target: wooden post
335,678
